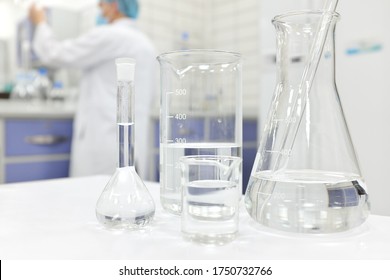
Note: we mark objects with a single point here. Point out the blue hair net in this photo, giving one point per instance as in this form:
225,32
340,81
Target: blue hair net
127,7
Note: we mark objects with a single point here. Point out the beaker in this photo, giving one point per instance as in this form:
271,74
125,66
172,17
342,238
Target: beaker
201,113
125,202
210,197
306,177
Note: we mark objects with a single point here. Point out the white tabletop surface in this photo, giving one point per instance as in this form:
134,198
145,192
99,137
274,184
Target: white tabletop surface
55,219
38,109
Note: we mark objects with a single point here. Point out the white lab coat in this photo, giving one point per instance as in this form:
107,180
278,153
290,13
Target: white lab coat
94,148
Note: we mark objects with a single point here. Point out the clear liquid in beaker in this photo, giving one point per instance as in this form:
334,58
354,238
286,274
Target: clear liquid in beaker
211,200
210,211
307,201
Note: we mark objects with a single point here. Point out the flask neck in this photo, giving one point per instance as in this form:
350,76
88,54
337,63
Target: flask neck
125,123
295,43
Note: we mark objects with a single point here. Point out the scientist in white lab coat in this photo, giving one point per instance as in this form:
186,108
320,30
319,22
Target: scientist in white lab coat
94,149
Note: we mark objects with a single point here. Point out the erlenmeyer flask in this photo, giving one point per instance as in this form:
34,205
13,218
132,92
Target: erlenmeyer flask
306,177
125,202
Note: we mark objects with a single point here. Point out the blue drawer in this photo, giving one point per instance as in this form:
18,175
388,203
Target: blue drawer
157,171
156,129
249,130
248,159
37,137
222,129
192,129
20,172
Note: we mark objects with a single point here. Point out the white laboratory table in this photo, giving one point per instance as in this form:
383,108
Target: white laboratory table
36,109
55,219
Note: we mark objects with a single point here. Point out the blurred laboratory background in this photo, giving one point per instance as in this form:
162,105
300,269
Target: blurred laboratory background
37,104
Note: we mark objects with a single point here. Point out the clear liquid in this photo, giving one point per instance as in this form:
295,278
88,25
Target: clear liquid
170,176
307,201
130,222
210,211
126,140
125,202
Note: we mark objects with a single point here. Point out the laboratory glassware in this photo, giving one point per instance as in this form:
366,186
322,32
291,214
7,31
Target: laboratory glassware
200,114
125,203
309,70
24,88
306,177
210,198
43,84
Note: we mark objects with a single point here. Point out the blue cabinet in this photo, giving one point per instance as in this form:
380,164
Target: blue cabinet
249,150
35,149
191,129
248,158
37,137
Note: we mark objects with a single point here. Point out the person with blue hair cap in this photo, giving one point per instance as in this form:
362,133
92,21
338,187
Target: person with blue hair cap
94,148
126,7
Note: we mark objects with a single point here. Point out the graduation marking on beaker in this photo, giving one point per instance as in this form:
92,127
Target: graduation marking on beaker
180,92
180,140
181,116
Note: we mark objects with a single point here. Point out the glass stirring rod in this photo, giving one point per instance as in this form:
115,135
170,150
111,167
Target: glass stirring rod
307,78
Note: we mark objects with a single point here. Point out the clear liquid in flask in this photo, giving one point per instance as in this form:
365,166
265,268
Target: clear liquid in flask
307,201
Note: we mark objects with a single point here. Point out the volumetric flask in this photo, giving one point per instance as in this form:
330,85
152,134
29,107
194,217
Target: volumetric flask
125,202
201,113
306,177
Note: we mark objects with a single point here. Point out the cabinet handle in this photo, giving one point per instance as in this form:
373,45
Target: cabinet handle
45,139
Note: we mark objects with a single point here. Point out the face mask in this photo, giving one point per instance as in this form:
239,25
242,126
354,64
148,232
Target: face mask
101,20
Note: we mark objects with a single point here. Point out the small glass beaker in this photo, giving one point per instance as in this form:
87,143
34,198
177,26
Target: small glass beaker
306,177
201,113
210,198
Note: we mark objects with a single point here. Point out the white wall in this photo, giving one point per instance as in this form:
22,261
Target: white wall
234,26
362,82
212,24
165,21
7,48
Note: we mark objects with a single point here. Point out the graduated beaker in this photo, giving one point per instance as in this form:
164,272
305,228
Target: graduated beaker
200,114
306,177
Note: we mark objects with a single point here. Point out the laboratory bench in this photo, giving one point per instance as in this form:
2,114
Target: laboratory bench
35,140
55,219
